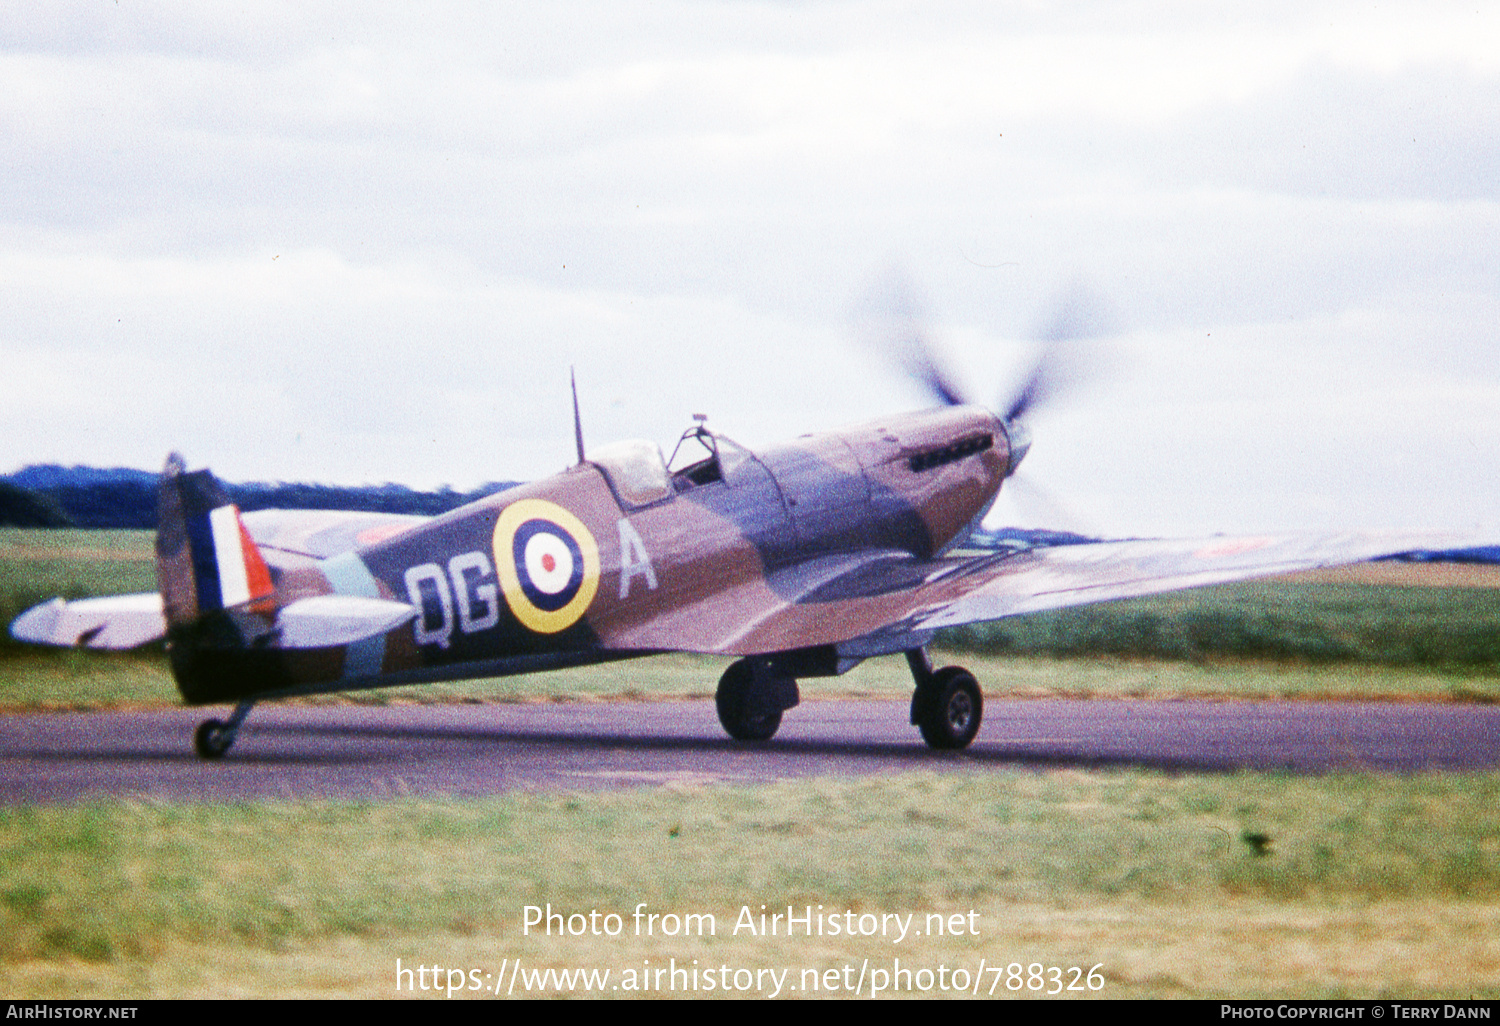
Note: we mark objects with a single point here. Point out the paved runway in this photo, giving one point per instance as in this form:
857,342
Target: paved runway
348,751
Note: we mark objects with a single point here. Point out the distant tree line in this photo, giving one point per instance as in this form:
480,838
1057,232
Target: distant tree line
52,496
22,507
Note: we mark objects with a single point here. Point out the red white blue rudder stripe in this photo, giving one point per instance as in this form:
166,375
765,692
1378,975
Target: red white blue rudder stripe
227,567
205,559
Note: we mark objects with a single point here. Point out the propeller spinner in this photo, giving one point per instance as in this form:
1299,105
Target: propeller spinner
895,327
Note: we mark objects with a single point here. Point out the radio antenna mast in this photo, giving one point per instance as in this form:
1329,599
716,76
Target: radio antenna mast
577,420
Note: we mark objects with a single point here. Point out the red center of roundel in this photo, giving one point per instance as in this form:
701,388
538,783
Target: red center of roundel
548,563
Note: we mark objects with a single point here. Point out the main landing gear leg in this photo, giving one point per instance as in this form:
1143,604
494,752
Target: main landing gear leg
215,737
947,705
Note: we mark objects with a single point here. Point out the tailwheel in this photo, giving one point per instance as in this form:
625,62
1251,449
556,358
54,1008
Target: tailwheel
212,739
745,710
947,708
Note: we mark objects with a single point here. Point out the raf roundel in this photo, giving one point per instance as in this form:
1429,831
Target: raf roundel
548,564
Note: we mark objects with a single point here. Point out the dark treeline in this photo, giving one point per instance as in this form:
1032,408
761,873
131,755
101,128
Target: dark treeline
51,496
22,507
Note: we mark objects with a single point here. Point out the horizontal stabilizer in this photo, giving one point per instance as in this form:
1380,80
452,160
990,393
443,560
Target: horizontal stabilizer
324,621
115,622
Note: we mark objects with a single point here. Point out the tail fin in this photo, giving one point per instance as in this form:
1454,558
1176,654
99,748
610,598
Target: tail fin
206,561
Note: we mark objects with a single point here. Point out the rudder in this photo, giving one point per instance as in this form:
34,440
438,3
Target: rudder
206,562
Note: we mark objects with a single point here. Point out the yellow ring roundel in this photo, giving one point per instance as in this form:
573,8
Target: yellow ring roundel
547,562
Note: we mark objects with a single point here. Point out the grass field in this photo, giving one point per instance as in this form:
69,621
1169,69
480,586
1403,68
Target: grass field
1324,619
1176,887
1250,885
36,565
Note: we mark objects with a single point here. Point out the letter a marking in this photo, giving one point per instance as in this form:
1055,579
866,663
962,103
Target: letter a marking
634,560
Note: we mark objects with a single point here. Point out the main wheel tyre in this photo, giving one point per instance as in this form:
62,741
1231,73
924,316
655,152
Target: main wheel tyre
950,709
733,700
212,739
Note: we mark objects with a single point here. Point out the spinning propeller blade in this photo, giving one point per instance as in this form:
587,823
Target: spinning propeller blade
892,323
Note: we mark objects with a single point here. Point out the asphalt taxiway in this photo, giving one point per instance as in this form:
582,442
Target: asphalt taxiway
362,752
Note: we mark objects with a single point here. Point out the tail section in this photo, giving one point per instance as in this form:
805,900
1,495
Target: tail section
216,591
206,562
228,639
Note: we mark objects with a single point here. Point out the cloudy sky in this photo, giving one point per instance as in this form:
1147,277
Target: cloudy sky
364,242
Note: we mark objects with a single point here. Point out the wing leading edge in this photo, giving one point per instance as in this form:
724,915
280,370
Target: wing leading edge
1075,575
879,602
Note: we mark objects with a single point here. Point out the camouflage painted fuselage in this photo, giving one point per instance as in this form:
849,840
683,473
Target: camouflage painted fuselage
753,554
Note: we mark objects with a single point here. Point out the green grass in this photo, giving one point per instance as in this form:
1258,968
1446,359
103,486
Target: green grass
1276,620
40,564
37,565
1355,885
69,680
1247,886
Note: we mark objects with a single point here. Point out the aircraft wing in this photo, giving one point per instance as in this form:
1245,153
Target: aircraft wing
1075,575
880,602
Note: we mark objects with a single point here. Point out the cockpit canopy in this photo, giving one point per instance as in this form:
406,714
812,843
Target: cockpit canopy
636,469
640,476
703,457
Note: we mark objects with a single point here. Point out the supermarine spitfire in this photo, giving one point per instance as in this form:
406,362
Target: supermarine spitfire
799,561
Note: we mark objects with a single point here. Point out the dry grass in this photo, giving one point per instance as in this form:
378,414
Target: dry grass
1365,886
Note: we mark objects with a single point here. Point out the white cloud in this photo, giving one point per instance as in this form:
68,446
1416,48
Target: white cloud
359,242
